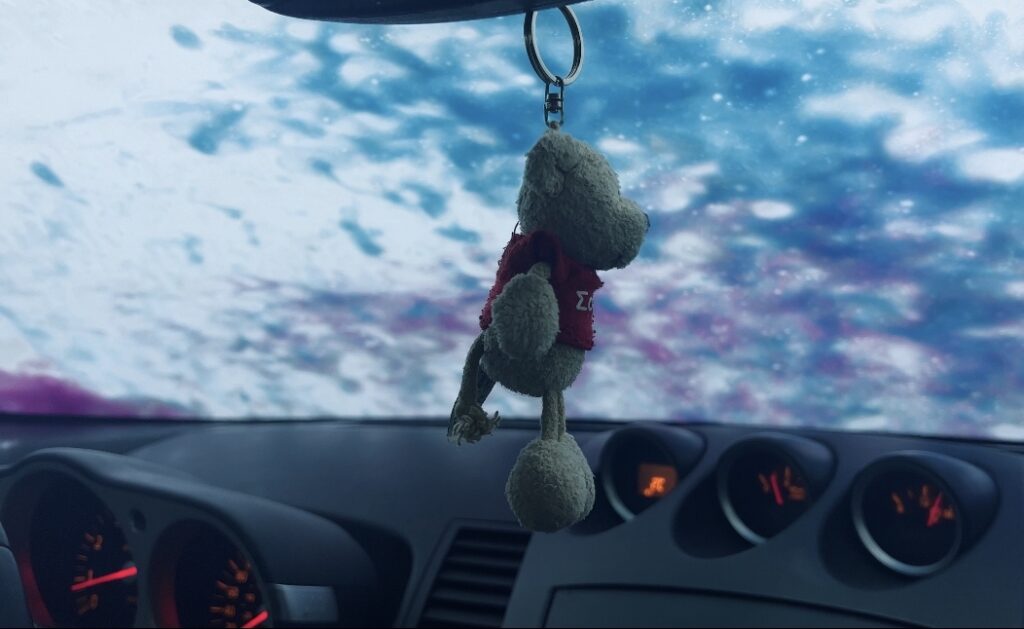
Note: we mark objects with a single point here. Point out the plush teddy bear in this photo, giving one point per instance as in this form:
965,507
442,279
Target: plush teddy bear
538,320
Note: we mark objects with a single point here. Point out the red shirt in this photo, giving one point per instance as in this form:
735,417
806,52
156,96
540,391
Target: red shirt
574,285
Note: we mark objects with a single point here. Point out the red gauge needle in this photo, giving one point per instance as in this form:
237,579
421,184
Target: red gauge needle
120,575
775,488
935,513
257,620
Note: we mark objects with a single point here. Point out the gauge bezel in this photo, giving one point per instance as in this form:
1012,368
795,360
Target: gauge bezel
169,548
25,495
19,510
679,447
811,459
857,497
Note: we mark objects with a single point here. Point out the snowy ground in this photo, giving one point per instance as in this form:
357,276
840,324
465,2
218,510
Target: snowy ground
211,210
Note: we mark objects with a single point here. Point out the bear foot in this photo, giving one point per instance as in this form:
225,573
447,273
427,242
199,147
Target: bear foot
551,485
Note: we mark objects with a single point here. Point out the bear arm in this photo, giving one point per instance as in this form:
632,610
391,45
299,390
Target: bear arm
525,314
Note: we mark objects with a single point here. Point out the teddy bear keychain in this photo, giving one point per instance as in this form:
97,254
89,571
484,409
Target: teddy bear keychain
538,321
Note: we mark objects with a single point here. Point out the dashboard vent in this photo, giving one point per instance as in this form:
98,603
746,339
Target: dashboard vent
475,581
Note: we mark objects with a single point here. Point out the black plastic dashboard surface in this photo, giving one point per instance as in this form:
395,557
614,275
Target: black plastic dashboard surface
402,491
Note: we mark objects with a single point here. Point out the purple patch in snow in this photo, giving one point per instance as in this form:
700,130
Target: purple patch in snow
42,395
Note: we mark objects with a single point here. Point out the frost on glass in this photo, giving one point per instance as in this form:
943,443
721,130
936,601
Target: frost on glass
214,211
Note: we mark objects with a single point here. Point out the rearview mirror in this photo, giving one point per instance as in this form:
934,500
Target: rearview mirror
404,11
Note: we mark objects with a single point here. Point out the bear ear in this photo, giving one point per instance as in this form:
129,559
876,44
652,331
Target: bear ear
548,162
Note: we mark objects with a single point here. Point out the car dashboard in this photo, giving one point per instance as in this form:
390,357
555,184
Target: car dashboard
384,522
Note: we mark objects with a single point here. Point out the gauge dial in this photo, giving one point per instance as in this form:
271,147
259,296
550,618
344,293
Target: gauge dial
908,519
82,565
762,493
215,585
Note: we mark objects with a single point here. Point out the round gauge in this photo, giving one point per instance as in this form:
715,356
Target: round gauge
641,472
766,481
762,493
215,585
82,566
908,519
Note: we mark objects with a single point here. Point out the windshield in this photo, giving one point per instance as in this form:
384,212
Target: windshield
213,211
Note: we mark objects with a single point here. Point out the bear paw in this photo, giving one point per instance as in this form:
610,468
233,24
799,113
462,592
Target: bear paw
471,423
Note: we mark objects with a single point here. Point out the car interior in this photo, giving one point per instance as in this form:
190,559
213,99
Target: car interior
805,401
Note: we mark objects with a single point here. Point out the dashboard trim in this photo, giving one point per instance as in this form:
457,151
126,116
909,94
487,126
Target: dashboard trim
306,604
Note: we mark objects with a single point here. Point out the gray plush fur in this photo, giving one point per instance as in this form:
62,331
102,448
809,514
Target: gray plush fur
555,370
570,190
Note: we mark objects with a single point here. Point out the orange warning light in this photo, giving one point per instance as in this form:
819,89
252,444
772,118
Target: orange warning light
656,487
654,481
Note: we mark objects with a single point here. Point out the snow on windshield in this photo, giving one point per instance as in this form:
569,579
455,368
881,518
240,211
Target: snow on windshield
213,211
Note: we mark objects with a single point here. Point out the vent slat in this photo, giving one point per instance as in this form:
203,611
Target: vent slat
501,548
507,536
440,624
464,617
481,600
490,564
475,580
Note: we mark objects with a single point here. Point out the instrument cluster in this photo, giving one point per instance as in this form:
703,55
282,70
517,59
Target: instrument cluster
912,512
100,541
